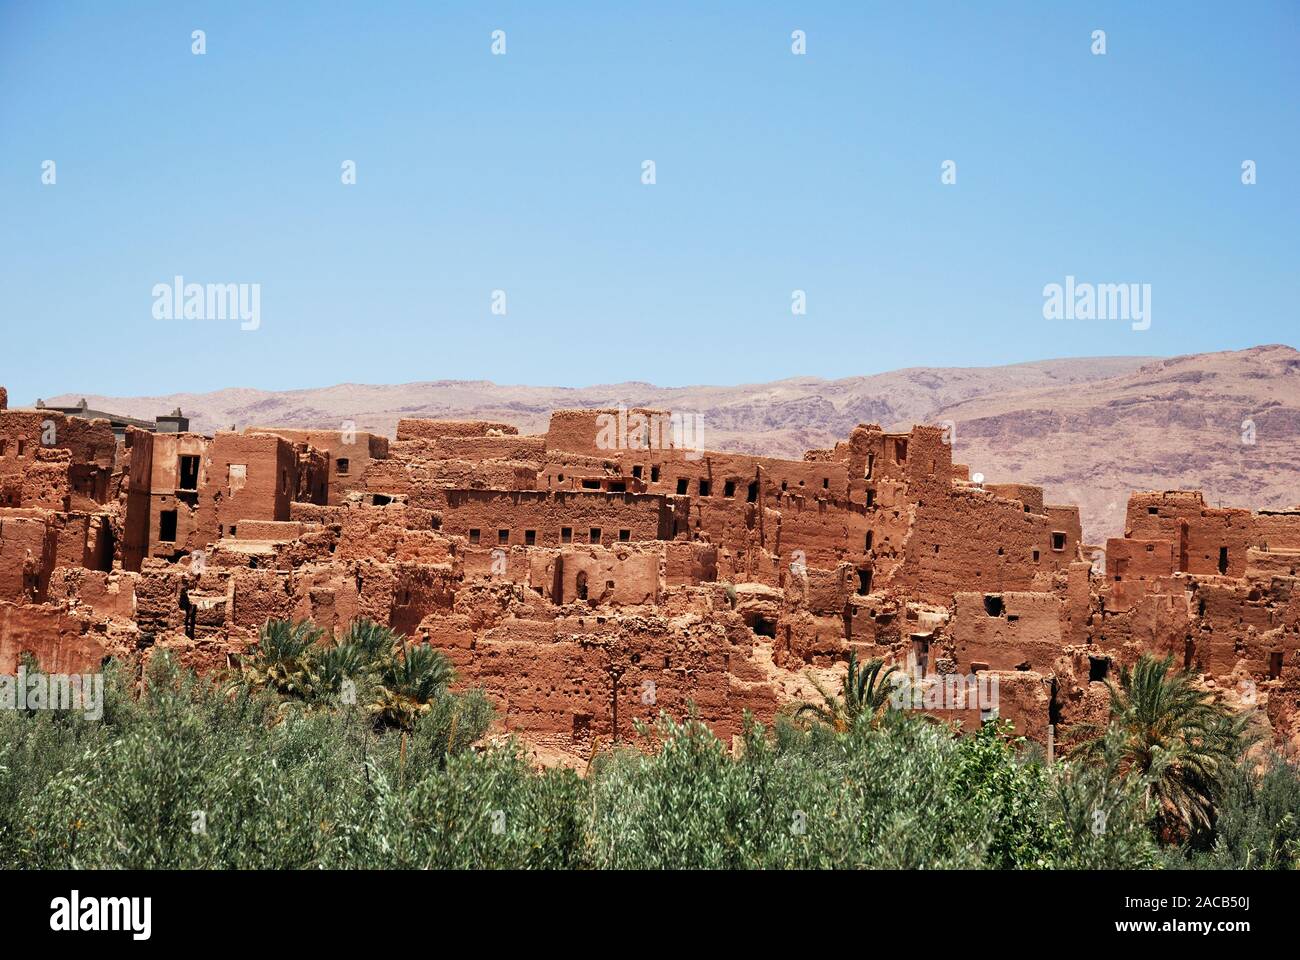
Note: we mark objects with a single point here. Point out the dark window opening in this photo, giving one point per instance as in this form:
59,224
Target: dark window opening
1098,668
591,484
618,486
871,465
765,627
871,536
826,483
871,497
342,465
189,473
566,534
582,584
625,535
864,581
473,536
1223,560
1153,510
593,535
381,500
900,450
921,653
1275,664
581,726
530,538
1035,556
729,488
167,526
993,604
503,536
705,487
636,471
682,485
751,495
22,447
654,474
1058,540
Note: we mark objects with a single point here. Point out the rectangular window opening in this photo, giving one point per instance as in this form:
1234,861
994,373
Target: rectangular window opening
189,472
167,526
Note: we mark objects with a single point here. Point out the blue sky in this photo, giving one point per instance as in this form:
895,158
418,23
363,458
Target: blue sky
522,173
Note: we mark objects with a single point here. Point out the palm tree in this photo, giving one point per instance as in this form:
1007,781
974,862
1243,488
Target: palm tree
374,639
1175,739
281,659
409,684
863,694
358,655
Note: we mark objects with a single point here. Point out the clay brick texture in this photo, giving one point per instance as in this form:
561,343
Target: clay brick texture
601,572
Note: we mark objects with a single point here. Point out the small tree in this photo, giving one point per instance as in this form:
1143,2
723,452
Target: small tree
864,693
1174,738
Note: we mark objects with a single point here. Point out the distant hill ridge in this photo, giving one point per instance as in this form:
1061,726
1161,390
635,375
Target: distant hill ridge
1089,430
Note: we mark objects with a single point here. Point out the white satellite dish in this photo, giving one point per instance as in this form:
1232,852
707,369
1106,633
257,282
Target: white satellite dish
977,478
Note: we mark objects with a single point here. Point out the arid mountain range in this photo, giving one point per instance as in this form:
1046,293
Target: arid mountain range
1089,430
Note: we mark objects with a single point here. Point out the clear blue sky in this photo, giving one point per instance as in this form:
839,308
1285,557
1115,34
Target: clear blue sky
522,172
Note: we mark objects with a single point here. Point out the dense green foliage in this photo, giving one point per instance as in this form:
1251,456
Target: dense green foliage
370,663
189,773
1174,739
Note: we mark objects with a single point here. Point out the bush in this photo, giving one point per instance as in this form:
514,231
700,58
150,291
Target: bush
183,773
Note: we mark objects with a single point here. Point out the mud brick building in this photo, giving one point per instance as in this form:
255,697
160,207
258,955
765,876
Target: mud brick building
606,563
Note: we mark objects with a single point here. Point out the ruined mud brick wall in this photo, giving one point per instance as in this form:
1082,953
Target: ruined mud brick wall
420,429
48,459
718,578
59,641
561,677
540,518
970,537
1208,540
249,478
1011,630
349,455
170,474
27,552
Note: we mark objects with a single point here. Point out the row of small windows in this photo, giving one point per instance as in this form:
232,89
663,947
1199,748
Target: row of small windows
594,535
704,487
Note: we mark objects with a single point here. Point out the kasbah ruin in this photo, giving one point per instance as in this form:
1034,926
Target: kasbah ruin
585,584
